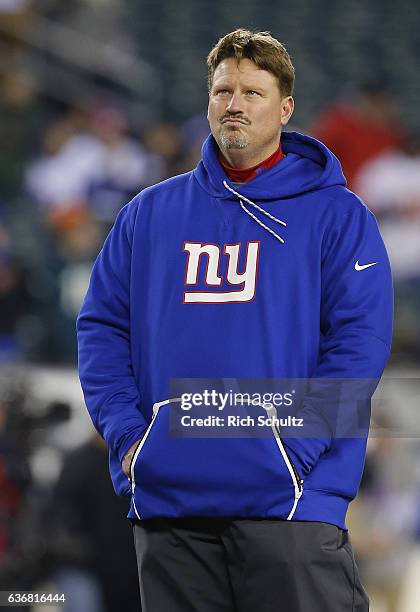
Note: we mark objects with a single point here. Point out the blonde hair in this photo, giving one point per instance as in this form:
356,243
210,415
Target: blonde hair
264,50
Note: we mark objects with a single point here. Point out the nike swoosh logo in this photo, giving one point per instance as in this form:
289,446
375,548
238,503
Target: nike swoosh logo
358,267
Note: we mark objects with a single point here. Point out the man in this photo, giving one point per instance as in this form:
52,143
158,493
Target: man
258,264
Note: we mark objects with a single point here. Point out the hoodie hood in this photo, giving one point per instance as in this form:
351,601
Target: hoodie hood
308,166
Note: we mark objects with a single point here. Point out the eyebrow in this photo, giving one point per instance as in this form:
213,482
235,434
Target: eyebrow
247,86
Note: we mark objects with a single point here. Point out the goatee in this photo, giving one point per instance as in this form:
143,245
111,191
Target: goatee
233,141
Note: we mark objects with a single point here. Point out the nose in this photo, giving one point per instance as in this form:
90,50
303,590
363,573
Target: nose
235,103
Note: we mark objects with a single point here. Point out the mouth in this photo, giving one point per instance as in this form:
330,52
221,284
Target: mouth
233,122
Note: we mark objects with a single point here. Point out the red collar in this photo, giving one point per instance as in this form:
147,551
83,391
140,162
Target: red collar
237,175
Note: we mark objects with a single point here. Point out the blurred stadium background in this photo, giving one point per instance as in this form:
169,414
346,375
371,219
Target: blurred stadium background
100,98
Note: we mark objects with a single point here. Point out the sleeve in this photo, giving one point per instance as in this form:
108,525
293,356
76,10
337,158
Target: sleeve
103,331
356,332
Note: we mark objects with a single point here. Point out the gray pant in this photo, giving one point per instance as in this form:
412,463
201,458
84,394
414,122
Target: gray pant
244,565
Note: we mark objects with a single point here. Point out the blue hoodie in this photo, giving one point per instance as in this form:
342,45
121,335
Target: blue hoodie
167,300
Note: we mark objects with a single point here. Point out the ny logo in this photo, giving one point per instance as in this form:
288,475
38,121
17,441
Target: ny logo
248,278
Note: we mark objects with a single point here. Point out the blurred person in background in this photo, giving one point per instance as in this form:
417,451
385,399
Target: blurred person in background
121,166
382,517
360,129
23,430
89,161
87,169
57,180
14,478
91,556
15,299
390,185
246,523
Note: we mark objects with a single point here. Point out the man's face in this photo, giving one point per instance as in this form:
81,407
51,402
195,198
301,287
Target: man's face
246,110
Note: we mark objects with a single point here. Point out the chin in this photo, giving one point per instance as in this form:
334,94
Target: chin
233,141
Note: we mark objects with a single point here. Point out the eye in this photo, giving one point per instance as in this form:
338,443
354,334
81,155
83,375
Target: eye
252,92
221,92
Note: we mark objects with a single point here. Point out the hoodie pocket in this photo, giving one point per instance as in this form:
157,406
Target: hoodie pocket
185,476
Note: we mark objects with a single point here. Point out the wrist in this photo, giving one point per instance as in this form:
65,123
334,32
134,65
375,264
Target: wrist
128,456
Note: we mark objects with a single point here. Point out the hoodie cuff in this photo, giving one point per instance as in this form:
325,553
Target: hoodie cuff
305,453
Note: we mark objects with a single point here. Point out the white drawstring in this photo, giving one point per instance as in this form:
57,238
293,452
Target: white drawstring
264,212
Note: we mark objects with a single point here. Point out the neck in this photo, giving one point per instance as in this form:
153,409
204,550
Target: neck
243,175
243,159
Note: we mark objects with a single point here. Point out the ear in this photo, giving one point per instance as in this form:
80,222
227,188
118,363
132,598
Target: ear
208,105
287,108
